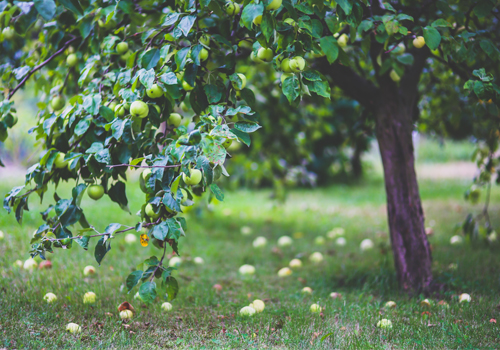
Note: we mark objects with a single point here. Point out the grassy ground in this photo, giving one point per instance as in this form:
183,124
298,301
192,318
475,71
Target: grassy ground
203,318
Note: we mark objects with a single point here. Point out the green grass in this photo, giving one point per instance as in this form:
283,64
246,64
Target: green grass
433,150
203,318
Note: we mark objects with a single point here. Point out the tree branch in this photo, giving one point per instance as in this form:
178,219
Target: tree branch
144,166
40,66
409,81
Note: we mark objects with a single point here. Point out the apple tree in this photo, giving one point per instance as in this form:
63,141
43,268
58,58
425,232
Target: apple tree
112,77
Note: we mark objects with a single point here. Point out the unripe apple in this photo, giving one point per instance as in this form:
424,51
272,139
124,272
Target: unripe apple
186,86
143,179
419,42
175,261
193,179
285,65
290,21
203,55
384,324
184,106
227,143
258,305
8,33
126,314
50,298
89,298
205,39
59,161
166,307
121,48
342,40
295,263
315,308
257,20
139,109
285,241
274,5
232,8
394,76
155,91
265,54
71,60
109,25
247,311
297,64
57,103
243,82
246,269
254,58
366,244
174,120
125,56
259,242
316,257
149,210
73,328
464,298
95,191
169,37
88,270
67,242
120,111
320,240
306,290
30,264
112,106
285,272
284,76
130,238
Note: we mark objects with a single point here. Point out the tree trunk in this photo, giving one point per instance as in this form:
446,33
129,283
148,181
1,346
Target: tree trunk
357,167
412,254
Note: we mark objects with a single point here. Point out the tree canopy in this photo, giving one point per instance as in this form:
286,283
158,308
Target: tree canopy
169,86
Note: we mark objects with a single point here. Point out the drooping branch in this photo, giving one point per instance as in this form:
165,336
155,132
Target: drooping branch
353,85
144,166
40,66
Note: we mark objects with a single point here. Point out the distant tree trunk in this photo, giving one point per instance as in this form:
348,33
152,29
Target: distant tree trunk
412,254
357,167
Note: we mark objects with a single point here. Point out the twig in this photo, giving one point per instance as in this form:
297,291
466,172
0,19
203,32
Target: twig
40,66
160,263
144,166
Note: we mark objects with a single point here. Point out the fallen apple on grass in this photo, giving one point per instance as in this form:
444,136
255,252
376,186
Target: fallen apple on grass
464,298
247,311
315,308
30,264
366,244
306,290
259,242
284,272
316,257
258,305
295,263
285,241
89,298
175,261
88,270
166,307
73,328
246,270
50,298
384,324
126,314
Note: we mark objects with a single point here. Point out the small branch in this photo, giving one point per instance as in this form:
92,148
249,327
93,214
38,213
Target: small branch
40,66
161,261
144,166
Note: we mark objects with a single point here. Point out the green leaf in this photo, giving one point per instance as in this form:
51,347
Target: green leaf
101,248
406,58
46,8
82,126
83,242
346,5
490,49
133,279
249,97
483,8
249,13
242,136
150,59
186,24
117,194
291,88
217,192
160,231
147,292
174,229
180,58
441,23
170,202
330,47
172,288
267,25
73,5
247,126
106,113
432,37
214,93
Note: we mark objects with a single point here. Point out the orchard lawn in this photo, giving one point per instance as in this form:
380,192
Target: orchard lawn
205,318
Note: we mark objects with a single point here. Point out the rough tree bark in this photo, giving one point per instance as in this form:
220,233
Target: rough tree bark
393,107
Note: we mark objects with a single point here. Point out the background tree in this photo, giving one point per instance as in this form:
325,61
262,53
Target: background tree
111,76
